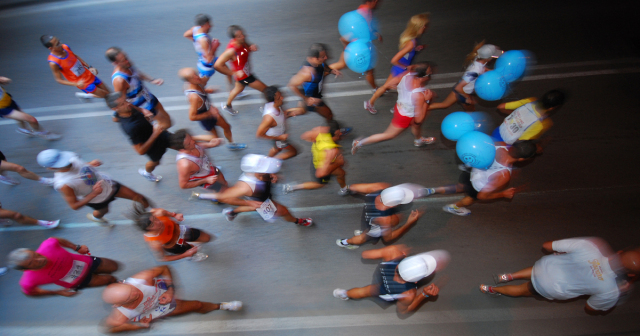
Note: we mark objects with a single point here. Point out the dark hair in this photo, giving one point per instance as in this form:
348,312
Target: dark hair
46,40
112,98
202,19
333,127
111,53
140,216
316,49
523,149
553,98
176,140
232,30
421,69
270,93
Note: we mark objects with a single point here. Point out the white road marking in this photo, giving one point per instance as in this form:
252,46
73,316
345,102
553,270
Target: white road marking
47,7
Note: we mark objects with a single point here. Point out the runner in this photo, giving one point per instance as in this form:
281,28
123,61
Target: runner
149,295
6,166
74,179
575,267
6,215
396,278
201,110
273,126
409,46
475,65
380,213
128,81
52,264
69,69
28,124
326,160
204,45
237,53
254,185
487,184
169,240
411,109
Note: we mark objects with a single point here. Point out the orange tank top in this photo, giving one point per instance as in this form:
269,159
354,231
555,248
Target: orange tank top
71,67
166,234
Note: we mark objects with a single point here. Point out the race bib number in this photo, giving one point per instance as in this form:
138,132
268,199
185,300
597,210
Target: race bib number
519,120
75,271
267,210
77,69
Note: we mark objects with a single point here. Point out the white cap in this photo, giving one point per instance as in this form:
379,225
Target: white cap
420,266
53,158
396,195
489,51
254,163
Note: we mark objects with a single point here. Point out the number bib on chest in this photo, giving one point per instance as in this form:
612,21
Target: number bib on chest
77,69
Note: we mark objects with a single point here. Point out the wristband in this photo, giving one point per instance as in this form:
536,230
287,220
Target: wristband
425,295
78,247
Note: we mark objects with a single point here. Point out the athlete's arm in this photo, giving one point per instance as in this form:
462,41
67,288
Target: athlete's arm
57,75
390,235
70,196
207,50
412,299
267,123
458,89
332,160
386,253
158,212
367,188
313,133
163,272
194,101
117,322
143,148
497,181
405,50
304,75
548,247
188,34
421,107
120,85
145,77
82,249
221,63
37,291
185,169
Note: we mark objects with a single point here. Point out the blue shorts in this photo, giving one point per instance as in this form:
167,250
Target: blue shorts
396,70
5,111
208,124
460,99
93,86
150,105
204,70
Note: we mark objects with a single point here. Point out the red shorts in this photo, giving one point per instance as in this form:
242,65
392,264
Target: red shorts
399,120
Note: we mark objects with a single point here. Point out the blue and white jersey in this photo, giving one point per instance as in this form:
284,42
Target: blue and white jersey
137,94
203,66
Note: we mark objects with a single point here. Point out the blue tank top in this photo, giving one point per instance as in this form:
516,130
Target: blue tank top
137,94
199,50
391,290
408,57
314,87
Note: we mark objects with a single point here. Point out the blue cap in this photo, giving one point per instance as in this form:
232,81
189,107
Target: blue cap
53,158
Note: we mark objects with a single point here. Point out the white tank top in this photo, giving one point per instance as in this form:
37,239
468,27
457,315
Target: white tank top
202,161
81,178
151,295
480,177
405,102
278,116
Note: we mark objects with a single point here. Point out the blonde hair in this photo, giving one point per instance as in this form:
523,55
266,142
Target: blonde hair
413,26
473,55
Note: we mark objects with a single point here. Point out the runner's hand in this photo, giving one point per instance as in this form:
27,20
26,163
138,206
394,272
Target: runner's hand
93,70
431,290
415,214
253,47
4,80
211,179
254,204
97,188
509,193
95,163
68,292
191,251
80,83
146,113
419,47
167,297
157,128
238,74
179,217
144,322
157,81
312,101
83,249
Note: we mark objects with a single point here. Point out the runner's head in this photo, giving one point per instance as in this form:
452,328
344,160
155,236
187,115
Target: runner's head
415,28
116,56
273,95
190,75
236,32
420,266
50,42
204,21
119,294
395,196
553,99
522,150
317,54
23,259
181,140
54,159
423,72
141,217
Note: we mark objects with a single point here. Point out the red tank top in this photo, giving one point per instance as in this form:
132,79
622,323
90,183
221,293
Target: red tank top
242,59
71,67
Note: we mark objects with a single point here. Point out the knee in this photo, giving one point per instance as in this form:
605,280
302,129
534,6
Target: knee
32,120
21,169
17,217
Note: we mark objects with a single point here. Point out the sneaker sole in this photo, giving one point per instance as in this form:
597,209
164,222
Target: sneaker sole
348,247
445,209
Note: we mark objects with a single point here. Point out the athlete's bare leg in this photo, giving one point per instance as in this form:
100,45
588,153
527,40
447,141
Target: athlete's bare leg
362,292
226,128
184,307
371,79
150,166
8,166
234,92
390,133
127,193
258,85
325,112
24,118
162,117
284,153
204,238
101,91
17,217
514,290
380,91
465,202
282,211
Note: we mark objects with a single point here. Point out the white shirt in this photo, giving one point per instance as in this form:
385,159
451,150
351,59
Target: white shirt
81,178
278,116
583,270
480,177
471,74
406,105
150,305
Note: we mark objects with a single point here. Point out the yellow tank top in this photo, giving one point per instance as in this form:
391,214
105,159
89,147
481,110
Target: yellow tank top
5,101
324,142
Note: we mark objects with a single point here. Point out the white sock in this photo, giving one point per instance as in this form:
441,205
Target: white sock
344,242
209,197
362,142
43,223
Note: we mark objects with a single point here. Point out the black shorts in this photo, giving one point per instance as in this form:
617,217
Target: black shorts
312,108
248,80
465,180
159,147
189,236
87,279
209,124
105,204
2,157
321,180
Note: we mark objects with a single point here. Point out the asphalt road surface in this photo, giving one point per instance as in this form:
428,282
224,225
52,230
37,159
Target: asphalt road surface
583,185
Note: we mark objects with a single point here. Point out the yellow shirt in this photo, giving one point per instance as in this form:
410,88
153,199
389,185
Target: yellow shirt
532,131
323,143
5,101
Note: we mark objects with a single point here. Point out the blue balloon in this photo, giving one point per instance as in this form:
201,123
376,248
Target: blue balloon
491,85
353,26
512,65
456,125
360,56
476,149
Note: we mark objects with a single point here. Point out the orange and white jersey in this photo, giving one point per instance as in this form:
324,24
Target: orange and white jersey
71,67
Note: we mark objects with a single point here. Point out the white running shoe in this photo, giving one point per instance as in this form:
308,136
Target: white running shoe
51,224
84,97
344,191
232,306
369,107
340,294
357,232
347,246
199,256
100,221
460,211
149,176
423,141
3,270
228,109
355,145
25,131
229,214
8,180
48,135
286,189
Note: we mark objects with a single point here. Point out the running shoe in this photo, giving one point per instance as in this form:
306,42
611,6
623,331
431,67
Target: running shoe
369,107
304,222
232,306
227,109
460,211
229,214
345,130
8,180
286,189
100,221
347,246
84,97
488,290
429,191
355,145
149,176
423,141
51,224
357,232
25,132
3,270
344,191
48,135
502,278
194,196
198,256
340,294
46,181
236,146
